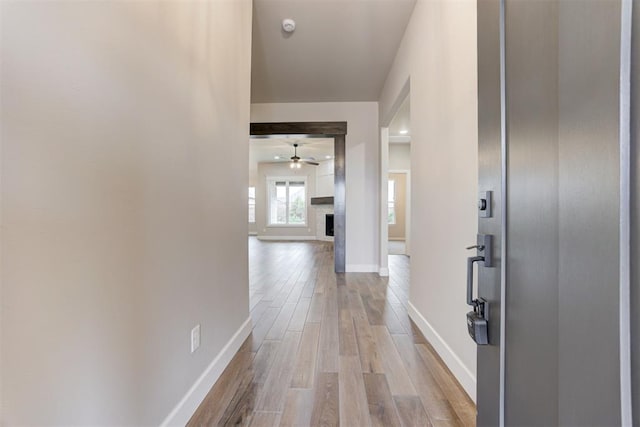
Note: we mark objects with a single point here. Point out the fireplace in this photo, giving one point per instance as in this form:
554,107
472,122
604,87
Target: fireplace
328,225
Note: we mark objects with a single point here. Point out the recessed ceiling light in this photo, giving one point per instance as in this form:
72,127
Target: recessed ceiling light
404,132
276,157
327,157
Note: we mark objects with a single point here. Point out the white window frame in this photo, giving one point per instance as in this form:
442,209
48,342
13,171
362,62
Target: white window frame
252,204
271,180
391,202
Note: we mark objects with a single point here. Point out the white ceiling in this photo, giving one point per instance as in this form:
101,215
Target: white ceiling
401,121
341,50
265,150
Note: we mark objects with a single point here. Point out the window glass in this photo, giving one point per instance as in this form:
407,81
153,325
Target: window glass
281,203
297,203
392,202
287,202
252,205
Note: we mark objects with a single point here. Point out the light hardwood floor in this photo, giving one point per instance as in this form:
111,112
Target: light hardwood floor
330,350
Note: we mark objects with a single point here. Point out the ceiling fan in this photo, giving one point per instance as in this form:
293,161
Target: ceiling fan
296,161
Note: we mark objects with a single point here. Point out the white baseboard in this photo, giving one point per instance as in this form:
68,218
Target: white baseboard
361,268
262,237
383,272
183,411
465,377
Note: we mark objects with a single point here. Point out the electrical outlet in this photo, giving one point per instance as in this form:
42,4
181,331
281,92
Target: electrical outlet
195,338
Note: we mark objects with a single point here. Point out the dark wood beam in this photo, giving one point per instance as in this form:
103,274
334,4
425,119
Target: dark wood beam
299,128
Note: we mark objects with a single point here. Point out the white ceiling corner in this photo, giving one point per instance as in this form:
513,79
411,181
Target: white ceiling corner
341,50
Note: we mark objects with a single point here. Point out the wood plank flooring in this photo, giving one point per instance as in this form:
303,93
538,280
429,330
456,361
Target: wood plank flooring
329,350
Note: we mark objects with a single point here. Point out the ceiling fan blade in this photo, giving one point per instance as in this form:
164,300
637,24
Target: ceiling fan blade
310,163
309,159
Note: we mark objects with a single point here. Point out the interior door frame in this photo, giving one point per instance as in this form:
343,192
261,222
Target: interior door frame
383,226
337,131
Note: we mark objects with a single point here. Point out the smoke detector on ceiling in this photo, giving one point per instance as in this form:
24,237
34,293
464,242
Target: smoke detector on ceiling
288,25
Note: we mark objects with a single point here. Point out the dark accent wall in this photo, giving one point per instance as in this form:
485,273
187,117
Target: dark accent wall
340,203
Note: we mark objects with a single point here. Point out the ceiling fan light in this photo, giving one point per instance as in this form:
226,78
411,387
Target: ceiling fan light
292,165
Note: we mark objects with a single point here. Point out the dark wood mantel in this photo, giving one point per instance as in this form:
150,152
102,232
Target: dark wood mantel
322,200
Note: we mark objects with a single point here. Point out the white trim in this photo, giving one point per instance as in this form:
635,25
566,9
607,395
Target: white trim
262,237
383,227
184,410
383,272
400,139
253,233
626,405
287,226
362,268
463,374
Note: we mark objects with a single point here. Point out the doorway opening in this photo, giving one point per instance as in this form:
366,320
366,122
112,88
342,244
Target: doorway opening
299,178
395,187
291,188
399,183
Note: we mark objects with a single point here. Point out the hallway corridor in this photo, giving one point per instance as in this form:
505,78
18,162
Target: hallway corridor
331,349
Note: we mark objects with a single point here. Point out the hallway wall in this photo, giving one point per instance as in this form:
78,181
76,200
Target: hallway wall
399,156
121,228
438,54
362,174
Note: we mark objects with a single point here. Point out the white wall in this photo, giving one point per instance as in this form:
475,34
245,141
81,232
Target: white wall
325,179
399,157
362,173
114,118
438,55
265,231
324,188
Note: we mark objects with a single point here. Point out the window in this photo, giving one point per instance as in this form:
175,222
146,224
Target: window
252,205
392,202
287,201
